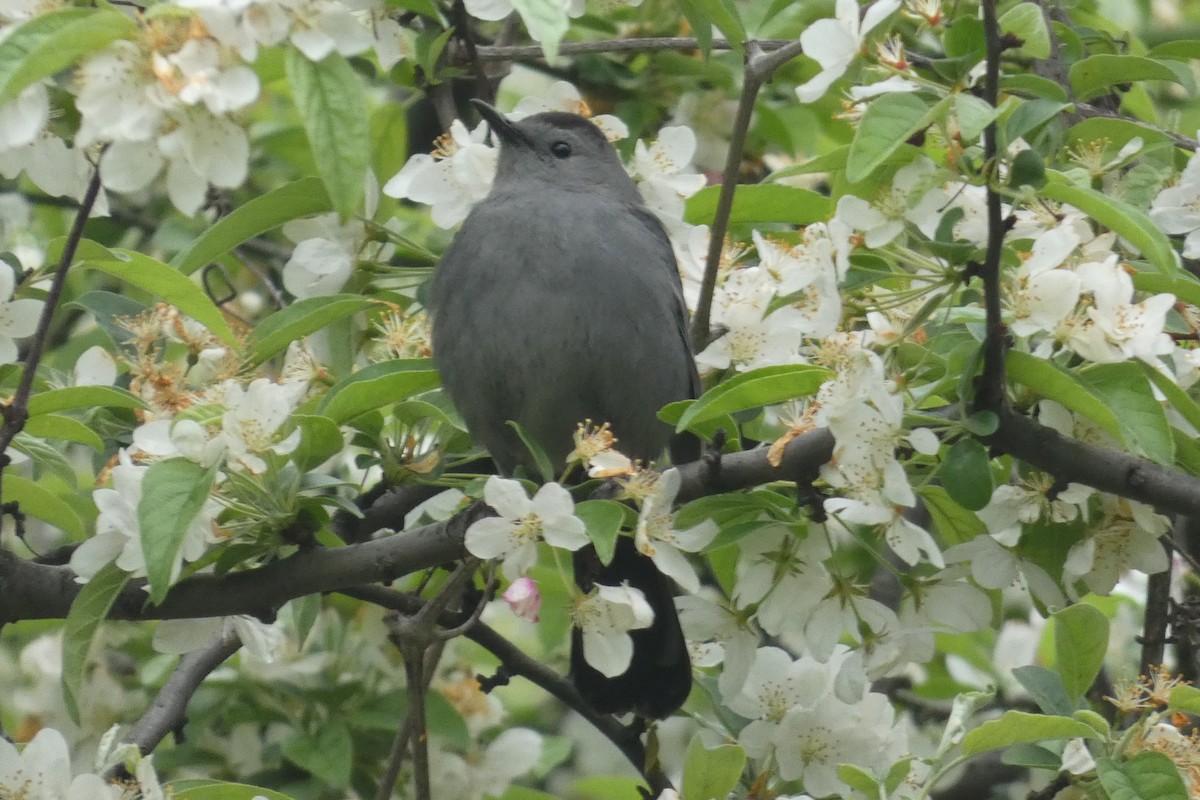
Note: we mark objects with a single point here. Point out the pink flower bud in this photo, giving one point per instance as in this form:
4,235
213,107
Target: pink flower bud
523,598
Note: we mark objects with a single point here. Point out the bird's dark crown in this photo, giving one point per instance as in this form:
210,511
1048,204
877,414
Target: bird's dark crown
549,121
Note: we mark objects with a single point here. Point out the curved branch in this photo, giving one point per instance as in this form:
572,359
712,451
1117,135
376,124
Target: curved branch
168,712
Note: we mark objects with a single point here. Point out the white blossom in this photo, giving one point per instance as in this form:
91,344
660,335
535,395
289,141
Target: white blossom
522,523
253,419
42,771
835,43
486,774
657,537
453,179
912,199
118,534
662,172
1126,537
1176,209
605,618
18,318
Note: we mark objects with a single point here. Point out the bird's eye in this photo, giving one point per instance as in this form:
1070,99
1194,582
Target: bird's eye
560,149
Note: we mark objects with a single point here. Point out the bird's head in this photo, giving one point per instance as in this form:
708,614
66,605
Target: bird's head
557,149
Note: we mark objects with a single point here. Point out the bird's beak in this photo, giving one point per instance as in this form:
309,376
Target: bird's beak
504,130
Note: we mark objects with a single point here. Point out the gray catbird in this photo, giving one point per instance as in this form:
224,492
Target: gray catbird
559,301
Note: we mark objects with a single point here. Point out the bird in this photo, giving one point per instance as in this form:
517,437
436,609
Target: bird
557,302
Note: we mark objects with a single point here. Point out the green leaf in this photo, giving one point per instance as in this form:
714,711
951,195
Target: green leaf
1056,384
700,24
52,41
546,21
225,791
376,386
40,503
859,780
56,426
1148,775
1118,132
515,792
953,522
1188,408
724,15
1030,115
333,104
671,413
711,773
1184,698
603,519
1182,49
758,203
545,470
1036,85
108,308
1096,75
1080,641
1025,21
70,397
754,389
445,721
90,608
1088,717
964,707
327,754
1047,689
301,198
1032,756
167,283
1015,727
1121,217
972,114
320,440
1182,285
835,161
889,122
276,332
173,492
1125,389
967,475
1028,169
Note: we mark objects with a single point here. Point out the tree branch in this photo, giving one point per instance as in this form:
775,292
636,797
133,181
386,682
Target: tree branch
39,591
990,390
514,662
646,45
168,712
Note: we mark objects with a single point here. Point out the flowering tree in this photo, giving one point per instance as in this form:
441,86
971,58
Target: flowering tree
940,264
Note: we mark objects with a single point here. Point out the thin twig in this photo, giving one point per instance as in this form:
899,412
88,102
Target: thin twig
760,66
420,642
17,412
646,45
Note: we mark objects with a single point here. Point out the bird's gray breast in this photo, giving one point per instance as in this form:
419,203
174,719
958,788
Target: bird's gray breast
549,310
